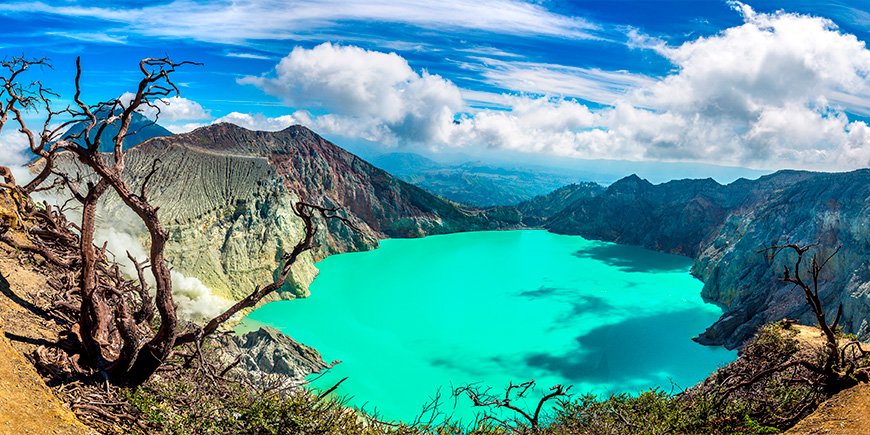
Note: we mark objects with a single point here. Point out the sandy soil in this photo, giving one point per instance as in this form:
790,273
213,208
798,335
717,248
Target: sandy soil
27,405
847,413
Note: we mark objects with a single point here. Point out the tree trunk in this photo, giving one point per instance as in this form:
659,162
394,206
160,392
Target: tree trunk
95,314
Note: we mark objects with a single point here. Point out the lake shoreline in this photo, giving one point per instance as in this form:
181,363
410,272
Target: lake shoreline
668,268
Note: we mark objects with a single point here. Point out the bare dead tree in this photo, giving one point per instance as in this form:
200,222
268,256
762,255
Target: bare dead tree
840,367
483,398
19,97
116,317
773,360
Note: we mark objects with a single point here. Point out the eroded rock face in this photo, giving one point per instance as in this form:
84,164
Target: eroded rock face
723,227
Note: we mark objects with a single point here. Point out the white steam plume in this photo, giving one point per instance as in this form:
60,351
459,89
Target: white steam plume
194,300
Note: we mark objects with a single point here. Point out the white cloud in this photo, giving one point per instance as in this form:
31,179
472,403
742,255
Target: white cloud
182,127
769,92
379,92
243,55
637,39
91,37
172,109
537,125
258,121
239,20
591,84
773,92
13,148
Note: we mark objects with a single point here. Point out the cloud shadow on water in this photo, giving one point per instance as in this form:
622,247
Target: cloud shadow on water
634,258
635,351
578,304
542,292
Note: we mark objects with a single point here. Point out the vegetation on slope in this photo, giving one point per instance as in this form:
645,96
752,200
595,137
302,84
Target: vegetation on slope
195,404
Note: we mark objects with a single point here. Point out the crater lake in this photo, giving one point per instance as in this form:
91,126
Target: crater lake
418,316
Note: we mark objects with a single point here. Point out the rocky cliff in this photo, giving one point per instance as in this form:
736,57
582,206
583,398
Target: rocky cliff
266,353
723,226
225,194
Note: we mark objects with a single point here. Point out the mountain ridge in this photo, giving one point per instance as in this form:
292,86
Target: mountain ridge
723,226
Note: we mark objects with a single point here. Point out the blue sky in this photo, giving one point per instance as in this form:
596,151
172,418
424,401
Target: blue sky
698,81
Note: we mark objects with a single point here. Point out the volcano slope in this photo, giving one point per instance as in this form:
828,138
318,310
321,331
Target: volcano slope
226,193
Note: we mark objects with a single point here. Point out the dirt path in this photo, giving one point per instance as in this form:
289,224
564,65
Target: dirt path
847,413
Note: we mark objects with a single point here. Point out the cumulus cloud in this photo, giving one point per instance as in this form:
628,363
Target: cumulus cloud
773,92
182,127
258,121
774,89
532,124
379,92
172,109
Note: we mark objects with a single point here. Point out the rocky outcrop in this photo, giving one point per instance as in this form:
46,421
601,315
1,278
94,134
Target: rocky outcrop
723,227
265,352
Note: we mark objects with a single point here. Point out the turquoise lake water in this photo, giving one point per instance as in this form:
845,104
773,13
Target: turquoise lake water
418,315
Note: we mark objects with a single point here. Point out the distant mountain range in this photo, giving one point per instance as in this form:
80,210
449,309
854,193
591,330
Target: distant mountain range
472,183
509,182
141,129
